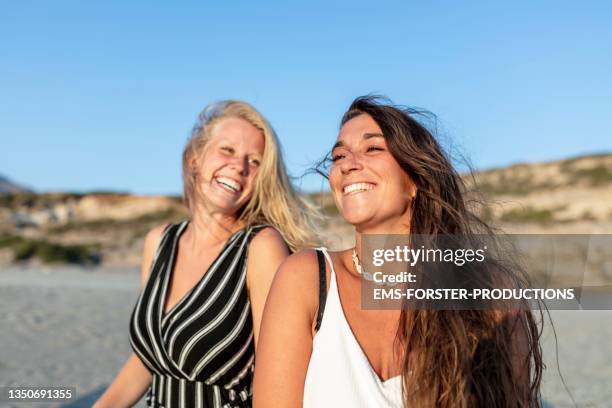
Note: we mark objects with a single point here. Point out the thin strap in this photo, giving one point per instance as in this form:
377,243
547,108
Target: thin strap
322,287
161,246
254,230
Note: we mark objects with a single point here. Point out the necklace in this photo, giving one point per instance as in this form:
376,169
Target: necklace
356,263
366,275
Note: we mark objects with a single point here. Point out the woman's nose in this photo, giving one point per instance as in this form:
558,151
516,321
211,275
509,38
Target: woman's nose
240,164
350,163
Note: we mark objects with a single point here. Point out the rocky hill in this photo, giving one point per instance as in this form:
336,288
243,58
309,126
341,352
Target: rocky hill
568,196
90,228
8,186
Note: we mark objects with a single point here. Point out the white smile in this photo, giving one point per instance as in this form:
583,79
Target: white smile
229,184
357,188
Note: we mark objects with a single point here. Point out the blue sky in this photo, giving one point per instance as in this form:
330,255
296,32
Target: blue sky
102,95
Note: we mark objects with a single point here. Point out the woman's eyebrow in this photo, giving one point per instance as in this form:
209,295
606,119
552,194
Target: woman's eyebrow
366,136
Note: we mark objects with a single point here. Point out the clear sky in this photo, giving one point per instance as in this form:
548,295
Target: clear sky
102,95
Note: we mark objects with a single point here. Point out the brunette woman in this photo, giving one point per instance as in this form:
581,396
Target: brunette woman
319,348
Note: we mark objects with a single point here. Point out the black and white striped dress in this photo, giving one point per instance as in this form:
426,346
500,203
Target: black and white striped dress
201,353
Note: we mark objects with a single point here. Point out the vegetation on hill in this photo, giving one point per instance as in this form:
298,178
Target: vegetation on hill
89,228
25,249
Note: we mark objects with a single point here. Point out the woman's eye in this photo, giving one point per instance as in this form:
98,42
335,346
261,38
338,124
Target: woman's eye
255,162
227,149
337,155
375,149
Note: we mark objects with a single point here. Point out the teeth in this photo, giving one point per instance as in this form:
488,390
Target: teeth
351,188
229,183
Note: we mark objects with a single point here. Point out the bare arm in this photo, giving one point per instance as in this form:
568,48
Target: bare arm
134,378
266,252
285,343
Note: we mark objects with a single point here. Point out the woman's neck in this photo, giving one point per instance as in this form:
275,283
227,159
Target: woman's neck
398,227
208,229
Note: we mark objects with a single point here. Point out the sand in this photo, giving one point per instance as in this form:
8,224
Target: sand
69,327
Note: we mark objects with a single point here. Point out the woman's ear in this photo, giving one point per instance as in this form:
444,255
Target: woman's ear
412,188
193,164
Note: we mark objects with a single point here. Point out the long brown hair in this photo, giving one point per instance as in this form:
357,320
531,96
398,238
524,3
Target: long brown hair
453,358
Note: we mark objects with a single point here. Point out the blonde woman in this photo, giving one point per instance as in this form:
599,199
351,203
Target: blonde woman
196,323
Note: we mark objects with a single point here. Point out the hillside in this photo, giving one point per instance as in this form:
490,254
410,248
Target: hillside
568,196
8,186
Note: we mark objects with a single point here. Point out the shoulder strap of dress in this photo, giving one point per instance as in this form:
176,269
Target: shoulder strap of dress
162,250
168,225
322,287
169,231
254,230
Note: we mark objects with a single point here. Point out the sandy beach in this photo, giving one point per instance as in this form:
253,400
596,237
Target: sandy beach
67,326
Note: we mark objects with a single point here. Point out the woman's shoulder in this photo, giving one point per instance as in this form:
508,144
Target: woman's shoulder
155,233
267,249
298,279
265,238
152,241
304,260
300,272
265,232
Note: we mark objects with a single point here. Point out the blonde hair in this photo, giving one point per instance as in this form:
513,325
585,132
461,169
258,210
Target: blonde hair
274,201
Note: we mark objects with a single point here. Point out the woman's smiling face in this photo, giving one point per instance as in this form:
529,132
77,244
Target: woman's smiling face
370,188
229,165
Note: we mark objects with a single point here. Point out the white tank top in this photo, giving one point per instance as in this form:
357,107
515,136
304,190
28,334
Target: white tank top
339,373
